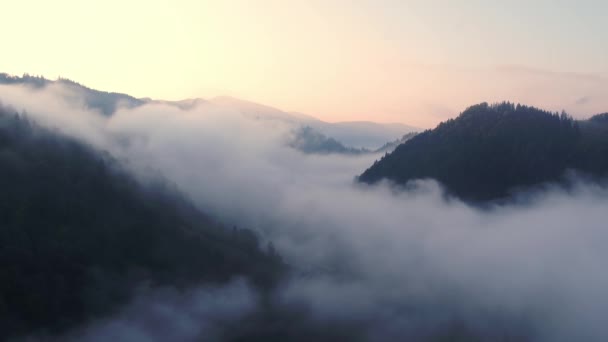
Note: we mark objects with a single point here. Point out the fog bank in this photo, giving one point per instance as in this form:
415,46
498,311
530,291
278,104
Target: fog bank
393,263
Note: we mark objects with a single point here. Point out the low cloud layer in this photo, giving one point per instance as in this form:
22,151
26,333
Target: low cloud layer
396,264
166,314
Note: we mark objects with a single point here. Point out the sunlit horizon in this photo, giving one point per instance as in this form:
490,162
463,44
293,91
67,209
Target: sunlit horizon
412,62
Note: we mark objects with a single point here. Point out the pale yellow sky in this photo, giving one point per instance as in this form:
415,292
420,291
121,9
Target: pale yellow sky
416,62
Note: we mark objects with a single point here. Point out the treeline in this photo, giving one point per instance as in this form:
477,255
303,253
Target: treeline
78,234
490,150
36,81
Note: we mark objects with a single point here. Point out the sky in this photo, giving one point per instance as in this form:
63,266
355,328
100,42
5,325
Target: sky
416,62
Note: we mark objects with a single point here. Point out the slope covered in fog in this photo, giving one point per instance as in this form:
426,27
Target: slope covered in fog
106,102
364,134
78,234
308,140
369,263
491,150
340,137
354,134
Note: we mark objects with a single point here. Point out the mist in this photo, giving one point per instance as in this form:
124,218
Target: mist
391,263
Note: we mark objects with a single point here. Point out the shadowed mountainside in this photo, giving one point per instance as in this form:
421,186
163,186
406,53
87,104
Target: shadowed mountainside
490,150
78,234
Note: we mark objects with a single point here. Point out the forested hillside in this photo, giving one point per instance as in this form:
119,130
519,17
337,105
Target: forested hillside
490,150
78,234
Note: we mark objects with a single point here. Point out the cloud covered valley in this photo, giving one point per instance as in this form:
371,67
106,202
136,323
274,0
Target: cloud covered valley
367,262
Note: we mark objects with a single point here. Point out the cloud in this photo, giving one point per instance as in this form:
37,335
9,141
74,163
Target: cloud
390,263
583,100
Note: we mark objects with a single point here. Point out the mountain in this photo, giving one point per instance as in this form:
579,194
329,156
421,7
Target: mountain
489,151
309,140
78,234
186,104
352,135
363,134
107,103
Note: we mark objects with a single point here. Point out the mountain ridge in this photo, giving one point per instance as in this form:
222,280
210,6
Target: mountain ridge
352,134
489,151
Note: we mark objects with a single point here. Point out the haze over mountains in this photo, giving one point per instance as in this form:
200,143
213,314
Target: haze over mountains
121,226
350,135
253,171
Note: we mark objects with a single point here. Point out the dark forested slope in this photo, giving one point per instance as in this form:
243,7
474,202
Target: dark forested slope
489,150
77,234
